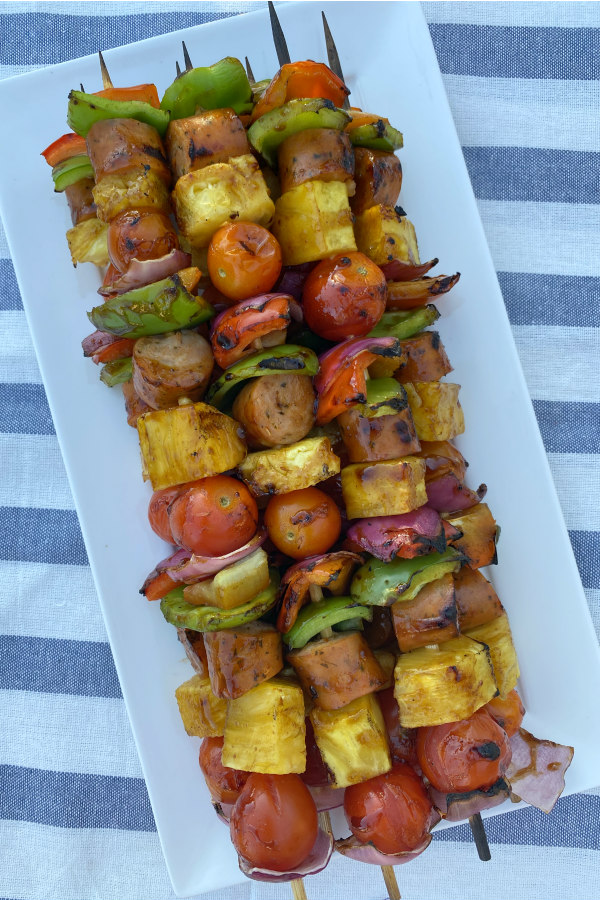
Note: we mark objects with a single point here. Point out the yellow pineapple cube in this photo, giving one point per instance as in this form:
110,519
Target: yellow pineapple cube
383,235
202,713
386,488
436,410
233,585
283,469
313,221
131,189
496,635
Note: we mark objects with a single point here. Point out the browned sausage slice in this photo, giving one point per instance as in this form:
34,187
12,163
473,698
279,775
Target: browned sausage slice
276,409
115,145
169,366
322,154
378,177
198,141
240,658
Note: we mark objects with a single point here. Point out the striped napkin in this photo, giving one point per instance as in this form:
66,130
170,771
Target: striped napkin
75,821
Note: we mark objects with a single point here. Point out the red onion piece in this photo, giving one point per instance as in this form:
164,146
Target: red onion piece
223,811
407,535
141,272
188,568
368,853
253,303
315,862
457,807
292,279
448,494
96,341
537,770
396,270
326,797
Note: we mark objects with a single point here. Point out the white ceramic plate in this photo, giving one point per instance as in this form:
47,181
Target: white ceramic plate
390,64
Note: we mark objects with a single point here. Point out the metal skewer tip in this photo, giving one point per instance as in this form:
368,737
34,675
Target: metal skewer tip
106,79
249,72
178,70
480,838
82,88
281,47
186,58
333,57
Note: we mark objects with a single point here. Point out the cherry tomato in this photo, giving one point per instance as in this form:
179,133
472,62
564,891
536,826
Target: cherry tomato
140,234
303,523
315,772
344,297
274,822
392,811
158,512
215,516
223,783
464,756
244,260
507,712
401,740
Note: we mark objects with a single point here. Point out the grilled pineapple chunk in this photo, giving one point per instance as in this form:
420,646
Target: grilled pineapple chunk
284,469
352,740
313,221
187,442
496,635
202,713
233,585
436,410
207,198
385,488
265,730
133,189
88,242
383,235
438,685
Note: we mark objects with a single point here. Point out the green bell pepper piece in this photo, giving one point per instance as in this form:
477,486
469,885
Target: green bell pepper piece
276,361
378,136
385,397
224,84
86,109
404,323
312,619
71,170
271,130
154,309
210,618
258,88
381,584
350,624
117,371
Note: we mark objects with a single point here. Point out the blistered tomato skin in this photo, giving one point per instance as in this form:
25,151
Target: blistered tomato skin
139,234
274,823
215,516
344,297
464,756
391,811
303,523
244,260
223,783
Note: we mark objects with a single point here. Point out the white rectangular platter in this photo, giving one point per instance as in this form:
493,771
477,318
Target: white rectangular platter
390,64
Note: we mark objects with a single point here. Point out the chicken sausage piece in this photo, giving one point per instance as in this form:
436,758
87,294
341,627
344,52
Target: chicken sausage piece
276,409
81,200
378,177
210,137
322,154
116,145
169,366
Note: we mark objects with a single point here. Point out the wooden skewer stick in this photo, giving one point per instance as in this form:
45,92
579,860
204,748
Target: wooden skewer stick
178,70
186,58
82,88
106,79
480,837
298,889
389,876
249,72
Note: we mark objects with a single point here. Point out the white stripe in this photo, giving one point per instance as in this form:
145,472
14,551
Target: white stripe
528,112
17,362
578,488
554,238
49,601
558,15
73,737
556,362
23,459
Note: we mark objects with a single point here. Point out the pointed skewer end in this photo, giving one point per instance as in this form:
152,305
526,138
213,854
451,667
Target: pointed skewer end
249,71
106,79
186,58
178,70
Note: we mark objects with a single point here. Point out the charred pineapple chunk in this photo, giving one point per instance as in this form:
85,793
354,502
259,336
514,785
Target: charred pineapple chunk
313,221
132,189
383,235
202,713
88,242
385,488
352,740
265,729
283,469
187,442
233,585
496,635
436,409
443,684
207,198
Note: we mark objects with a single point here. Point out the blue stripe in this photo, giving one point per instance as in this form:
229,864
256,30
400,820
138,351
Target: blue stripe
569,427
491,51
41,535
72,800
586,547
541,176
24,409
52,666
10,298
53,38
569,825
551,299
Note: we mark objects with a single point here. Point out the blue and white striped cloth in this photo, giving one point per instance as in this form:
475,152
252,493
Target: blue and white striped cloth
523,81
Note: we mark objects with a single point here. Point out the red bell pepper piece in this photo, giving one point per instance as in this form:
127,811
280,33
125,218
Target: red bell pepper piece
147,93
299,81
64,147
236,329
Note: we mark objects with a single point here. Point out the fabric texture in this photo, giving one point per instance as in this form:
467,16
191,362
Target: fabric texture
523,81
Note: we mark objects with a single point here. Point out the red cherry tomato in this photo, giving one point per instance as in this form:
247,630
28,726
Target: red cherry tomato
315,772
223,783
392,811
215,516
344,297
244,260
464,756
274,822
140,234
507,712
401,740
303,523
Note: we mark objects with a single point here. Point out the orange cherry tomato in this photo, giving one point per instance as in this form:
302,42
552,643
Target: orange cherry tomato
464,756
244,260
274,822
303,523
140,234
215,516
391,811
507,712
224,784
344,297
